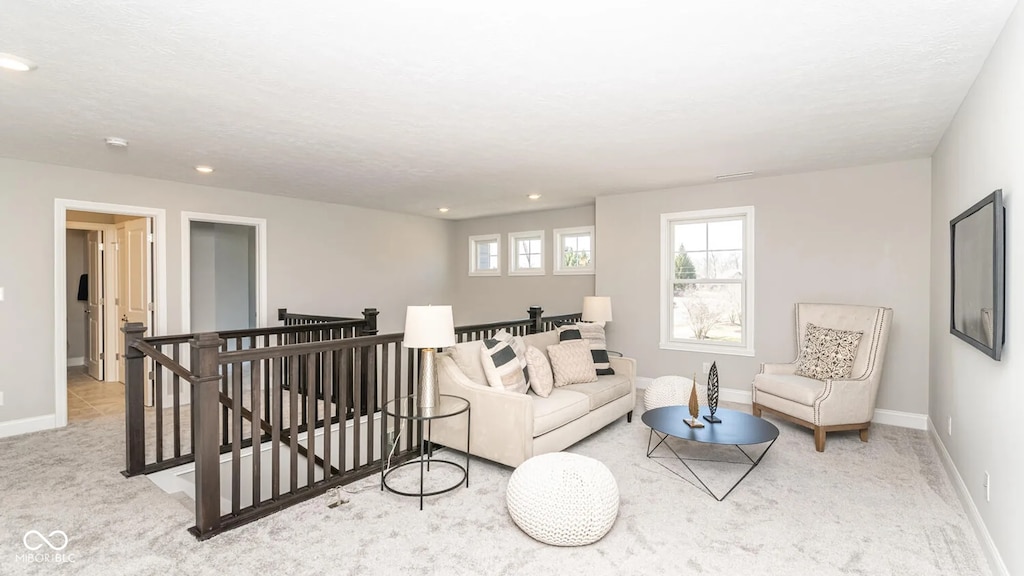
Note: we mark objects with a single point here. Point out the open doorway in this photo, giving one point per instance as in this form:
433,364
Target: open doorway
109,268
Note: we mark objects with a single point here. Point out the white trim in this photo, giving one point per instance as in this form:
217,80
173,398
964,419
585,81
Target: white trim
556,254
76,361
513,256
260,224
734,395
110,323
473,271
60,310
995,560
26,425
901,419
667,270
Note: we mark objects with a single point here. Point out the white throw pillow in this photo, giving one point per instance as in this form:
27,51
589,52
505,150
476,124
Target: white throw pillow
542,381
572,362
504,368
467,358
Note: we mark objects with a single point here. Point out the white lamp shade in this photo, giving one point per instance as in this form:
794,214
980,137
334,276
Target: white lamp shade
597,309
429,327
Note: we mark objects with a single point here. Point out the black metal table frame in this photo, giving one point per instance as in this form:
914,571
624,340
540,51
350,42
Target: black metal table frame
427,451
752,463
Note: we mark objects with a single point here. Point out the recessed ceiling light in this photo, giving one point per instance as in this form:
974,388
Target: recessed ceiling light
534,196
204,169
115,142
442,210
734,175
16,63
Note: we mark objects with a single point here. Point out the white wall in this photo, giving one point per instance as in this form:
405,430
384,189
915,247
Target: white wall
981,151
480,299
854,236
322,258
77,264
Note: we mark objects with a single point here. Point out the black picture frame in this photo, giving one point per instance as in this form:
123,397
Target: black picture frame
977,240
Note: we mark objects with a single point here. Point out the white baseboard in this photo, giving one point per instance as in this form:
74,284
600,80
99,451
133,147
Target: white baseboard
79,361
995,561
901,419
734,395
26,425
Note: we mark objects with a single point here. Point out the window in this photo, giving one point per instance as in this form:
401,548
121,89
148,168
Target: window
574,250
483,255
708,281
526,253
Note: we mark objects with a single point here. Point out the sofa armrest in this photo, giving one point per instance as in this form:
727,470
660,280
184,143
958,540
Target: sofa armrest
623,365
502,422
789,368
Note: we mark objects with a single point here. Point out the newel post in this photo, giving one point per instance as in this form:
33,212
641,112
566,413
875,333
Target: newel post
282,313
205,410
370,322
134,400
536,316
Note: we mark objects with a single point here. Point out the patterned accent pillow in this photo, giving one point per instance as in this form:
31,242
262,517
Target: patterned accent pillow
598,345
572,363
504,368
827,353
542,381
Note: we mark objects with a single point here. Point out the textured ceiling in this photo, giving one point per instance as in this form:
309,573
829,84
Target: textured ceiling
411,105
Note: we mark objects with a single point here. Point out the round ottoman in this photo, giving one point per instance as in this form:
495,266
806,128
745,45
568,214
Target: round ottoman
668,391
563,499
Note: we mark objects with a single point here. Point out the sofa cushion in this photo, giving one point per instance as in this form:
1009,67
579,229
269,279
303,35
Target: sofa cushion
604,390
790,386
504,368
541,341
560,408
594,334
572,362
542,381
827,353
467,357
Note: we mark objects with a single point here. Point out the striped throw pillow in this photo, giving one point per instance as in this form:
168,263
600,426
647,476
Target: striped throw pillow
504,368
598,345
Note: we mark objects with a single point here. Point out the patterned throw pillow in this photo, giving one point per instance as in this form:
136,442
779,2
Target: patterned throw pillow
572,363
504,368
542,381
827,354
598,345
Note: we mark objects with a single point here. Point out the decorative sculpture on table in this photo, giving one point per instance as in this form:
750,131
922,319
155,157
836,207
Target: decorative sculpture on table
694,407
712,395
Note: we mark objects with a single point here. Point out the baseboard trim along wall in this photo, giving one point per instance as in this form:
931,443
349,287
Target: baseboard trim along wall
79,361
882,416
995,561
26,425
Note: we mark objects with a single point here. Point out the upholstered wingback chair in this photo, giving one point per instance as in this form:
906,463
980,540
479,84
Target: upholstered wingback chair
838,387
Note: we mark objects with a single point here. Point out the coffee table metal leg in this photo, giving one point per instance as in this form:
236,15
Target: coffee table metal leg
753,464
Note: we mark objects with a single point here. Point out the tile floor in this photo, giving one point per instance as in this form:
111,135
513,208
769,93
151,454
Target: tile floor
88,398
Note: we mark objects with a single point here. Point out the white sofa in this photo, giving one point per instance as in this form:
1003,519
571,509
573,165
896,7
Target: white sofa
510,428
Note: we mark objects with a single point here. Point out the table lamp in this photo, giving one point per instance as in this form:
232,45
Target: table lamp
428,328
597,309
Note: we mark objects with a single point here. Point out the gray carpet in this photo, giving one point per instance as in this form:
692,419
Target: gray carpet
885,507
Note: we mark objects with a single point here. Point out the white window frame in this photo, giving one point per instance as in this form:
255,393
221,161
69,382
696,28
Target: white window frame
744,348
513,253
488,238
558,235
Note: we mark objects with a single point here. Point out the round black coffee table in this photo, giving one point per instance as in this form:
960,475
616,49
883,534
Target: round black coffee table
736,429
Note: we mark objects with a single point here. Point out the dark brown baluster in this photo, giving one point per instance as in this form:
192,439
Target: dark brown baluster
293,424
176,400
257,429
328,385
236,436
275,430
357,404
311,421
158,405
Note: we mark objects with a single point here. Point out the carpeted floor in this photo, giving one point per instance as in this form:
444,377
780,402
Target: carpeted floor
881,508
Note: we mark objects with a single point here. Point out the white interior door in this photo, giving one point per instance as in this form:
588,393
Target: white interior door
134,270
94,309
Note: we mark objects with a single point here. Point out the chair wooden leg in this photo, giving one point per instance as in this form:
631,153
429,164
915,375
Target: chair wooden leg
864,434
819,438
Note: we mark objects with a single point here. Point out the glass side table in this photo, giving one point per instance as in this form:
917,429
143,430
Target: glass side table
408,414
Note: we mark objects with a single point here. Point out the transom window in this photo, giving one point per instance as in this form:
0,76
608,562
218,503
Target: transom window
574,250
526,253
484,259
707,281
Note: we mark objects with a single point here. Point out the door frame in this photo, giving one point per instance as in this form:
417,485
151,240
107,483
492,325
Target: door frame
260,224
60,209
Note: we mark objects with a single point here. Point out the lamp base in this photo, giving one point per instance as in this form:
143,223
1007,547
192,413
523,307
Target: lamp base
428,394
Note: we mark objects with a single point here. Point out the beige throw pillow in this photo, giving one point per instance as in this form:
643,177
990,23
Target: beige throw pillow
504,368
572,363
542,381
827,353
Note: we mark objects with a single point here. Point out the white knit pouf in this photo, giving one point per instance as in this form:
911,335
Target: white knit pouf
667,391
563,499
